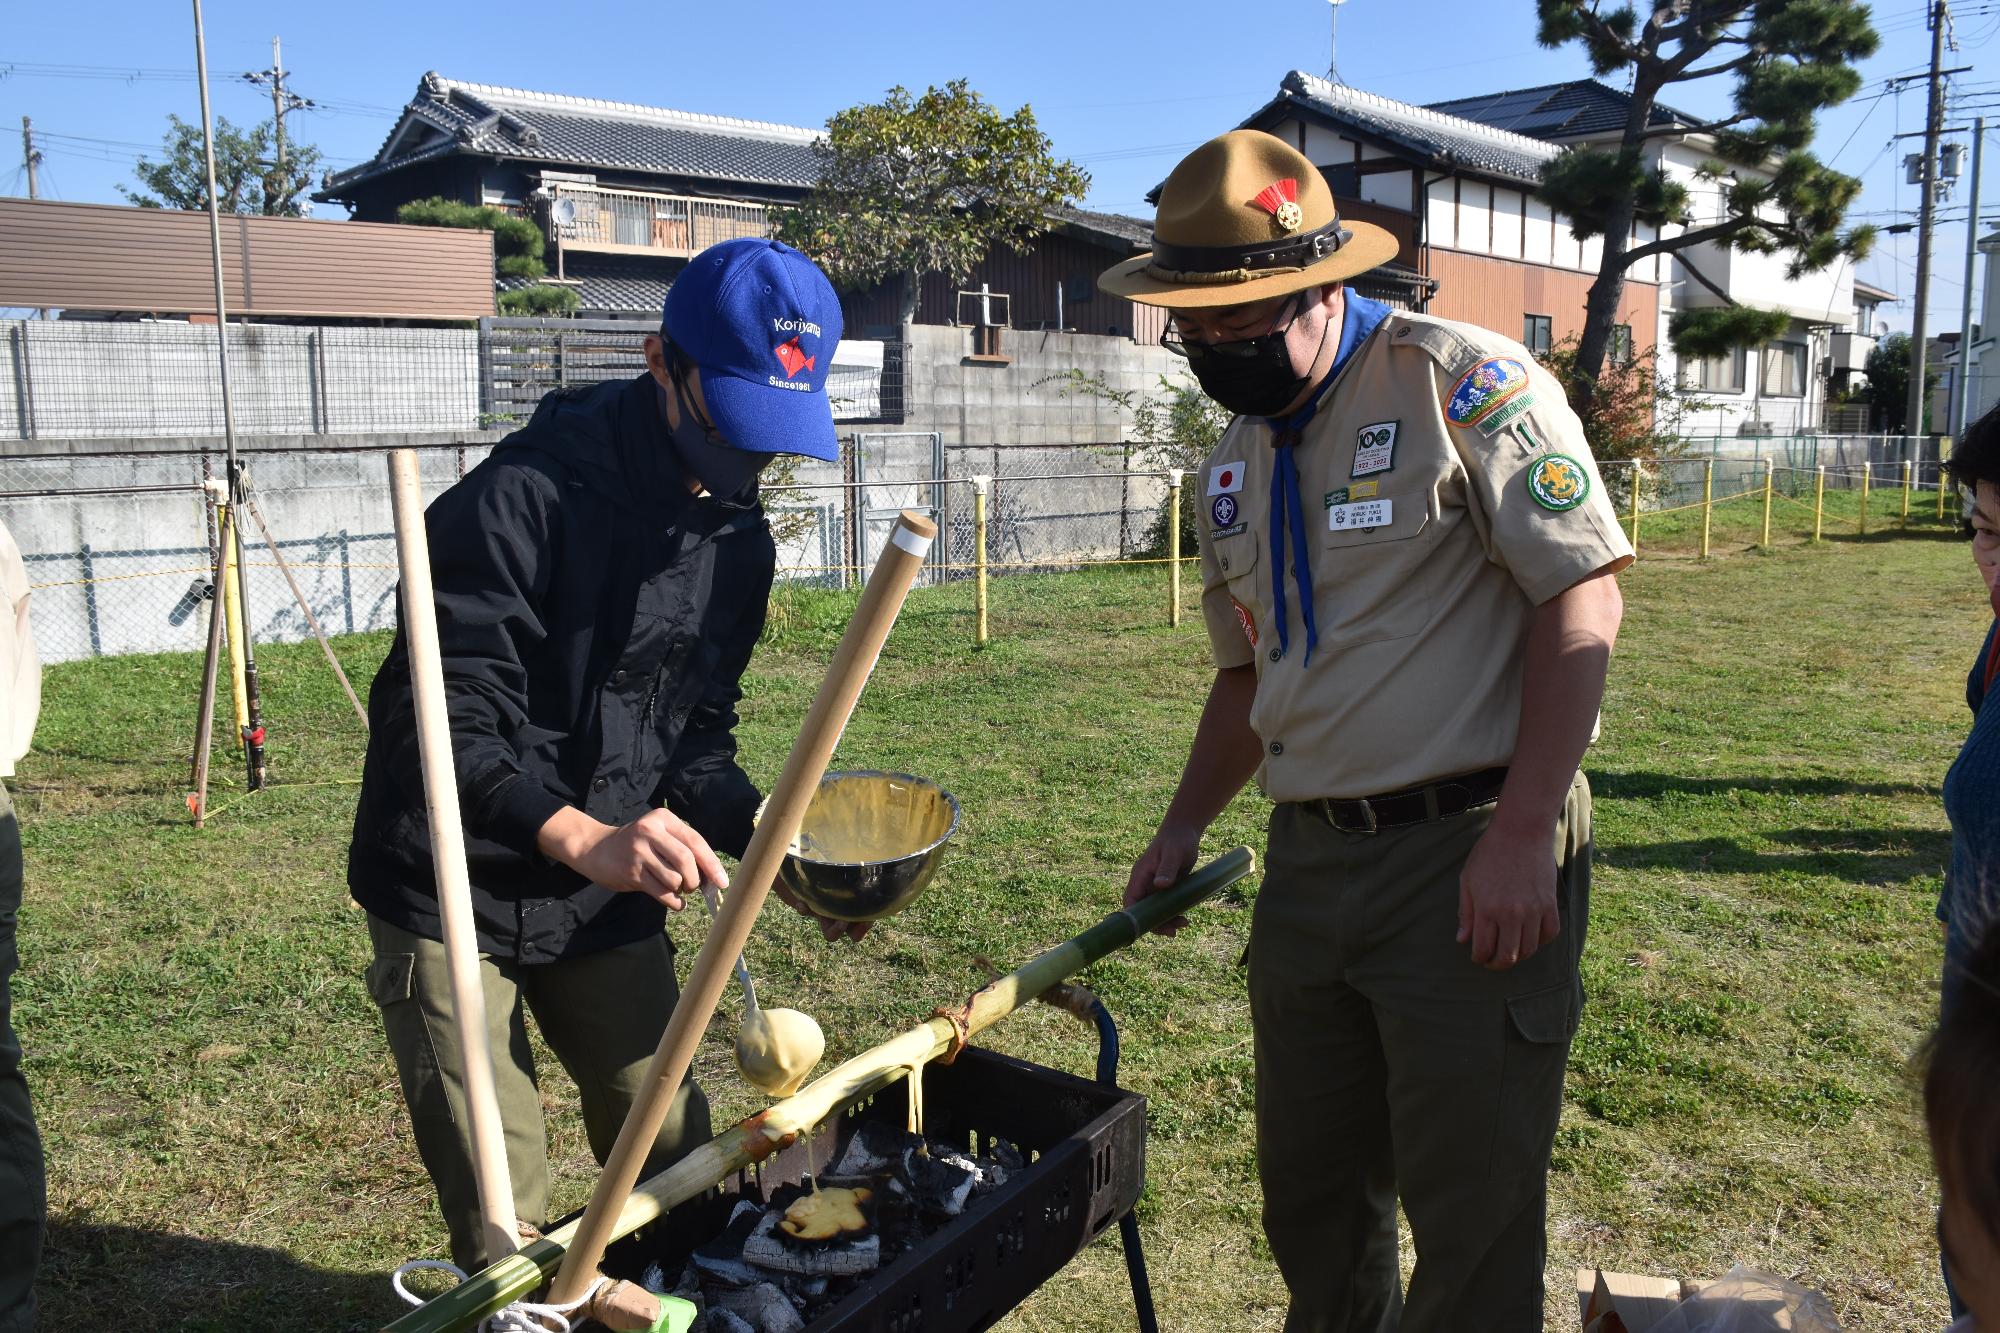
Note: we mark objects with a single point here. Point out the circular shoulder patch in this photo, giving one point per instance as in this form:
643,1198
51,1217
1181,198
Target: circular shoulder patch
1558,482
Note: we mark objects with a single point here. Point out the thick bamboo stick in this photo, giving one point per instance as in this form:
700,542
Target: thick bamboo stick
454,883
500,1284
895,570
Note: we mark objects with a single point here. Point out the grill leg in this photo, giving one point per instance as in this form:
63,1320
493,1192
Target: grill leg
1128,1225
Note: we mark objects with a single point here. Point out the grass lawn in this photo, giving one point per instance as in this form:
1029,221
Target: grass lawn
227,1145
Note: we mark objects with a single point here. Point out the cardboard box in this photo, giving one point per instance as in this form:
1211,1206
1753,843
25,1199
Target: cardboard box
1624,1302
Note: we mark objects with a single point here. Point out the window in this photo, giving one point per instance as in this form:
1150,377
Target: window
1714,374
1784,370
1535,331
1621,344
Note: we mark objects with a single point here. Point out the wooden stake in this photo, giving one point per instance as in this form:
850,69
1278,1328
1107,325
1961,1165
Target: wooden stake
454,884
743,1145
902,556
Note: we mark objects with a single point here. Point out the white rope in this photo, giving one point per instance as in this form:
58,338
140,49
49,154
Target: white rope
520,1317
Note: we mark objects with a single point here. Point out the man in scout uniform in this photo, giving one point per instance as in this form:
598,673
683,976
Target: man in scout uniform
1406,575
601,582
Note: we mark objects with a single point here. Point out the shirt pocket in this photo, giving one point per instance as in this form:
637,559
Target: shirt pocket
1374,584
1237,566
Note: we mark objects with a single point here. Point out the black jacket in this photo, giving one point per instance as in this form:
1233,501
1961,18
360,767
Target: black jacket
595,620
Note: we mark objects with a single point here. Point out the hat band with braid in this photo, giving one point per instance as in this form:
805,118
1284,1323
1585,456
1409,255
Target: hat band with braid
1232,263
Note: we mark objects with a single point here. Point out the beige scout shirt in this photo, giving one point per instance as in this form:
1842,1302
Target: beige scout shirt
1429,551
20,672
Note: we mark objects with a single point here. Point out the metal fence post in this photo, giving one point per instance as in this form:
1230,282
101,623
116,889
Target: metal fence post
1770,471
1637,468
1819,500
1707,502
1906,492
1174,547
1943,444
980,483
1867,473
90,598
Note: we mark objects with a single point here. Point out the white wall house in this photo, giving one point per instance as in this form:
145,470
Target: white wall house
1983,360
1778,389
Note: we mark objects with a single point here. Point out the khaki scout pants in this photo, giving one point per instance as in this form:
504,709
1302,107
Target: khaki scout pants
602,1015
1389,1065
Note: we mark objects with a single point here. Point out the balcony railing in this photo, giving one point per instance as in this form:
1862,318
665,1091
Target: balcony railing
642,223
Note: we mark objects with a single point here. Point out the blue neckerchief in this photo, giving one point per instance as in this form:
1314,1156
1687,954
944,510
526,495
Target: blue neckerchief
1361,318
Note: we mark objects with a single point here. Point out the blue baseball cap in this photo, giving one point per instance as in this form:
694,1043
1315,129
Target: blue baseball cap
760,322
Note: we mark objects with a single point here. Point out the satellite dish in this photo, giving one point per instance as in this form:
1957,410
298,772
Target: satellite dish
563,212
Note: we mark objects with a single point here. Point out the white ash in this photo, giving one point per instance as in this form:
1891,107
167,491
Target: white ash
764,1307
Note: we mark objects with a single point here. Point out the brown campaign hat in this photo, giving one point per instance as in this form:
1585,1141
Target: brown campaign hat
1243,218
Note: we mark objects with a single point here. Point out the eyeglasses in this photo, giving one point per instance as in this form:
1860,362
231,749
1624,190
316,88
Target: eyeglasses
1245,349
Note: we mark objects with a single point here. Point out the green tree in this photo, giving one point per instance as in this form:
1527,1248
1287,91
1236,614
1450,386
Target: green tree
248,178
915,185
517,251
1634,414
1790,60
1888,370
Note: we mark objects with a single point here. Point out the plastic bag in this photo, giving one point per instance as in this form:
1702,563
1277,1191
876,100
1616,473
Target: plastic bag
1747,1301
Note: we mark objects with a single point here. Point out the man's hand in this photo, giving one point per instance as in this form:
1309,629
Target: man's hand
830,928
1167,858
1507,894
657,854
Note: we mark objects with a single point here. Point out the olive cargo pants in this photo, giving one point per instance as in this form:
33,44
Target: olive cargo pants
1390,1065
22,1186
602,1015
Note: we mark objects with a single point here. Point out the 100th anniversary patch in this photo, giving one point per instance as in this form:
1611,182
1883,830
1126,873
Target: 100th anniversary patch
1374,449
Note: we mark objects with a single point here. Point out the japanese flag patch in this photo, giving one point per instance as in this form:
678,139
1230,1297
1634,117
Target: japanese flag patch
1225,479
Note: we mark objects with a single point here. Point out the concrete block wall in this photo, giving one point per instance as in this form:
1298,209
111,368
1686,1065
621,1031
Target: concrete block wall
1023,402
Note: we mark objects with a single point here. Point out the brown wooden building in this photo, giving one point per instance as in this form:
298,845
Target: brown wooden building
109,260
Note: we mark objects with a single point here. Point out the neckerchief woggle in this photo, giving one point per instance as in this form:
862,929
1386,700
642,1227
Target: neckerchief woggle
1360,318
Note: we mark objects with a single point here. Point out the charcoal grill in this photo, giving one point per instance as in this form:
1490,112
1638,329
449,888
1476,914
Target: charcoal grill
1087,1148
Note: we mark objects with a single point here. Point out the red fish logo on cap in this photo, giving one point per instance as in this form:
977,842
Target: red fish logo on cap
793,358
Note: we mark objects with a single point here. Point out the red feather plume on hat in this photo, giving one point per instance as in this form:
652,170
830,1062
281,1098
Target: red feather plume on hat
1276,195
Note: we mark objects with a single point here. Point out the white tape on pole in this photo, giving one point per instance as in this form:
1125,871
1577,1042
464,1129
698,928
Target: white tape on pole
916,544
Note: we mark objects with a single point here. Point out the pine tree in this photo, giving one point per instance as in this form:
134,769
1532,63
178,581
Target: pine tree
1791,60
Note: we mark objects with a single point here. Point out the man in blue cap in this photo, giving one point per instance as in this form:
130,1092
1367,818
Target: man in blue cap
601,580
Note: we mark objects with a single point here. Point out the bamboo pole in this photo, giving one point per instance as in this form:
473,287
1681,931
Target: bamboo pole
487,1292
1637,468
204,724
1174,547
1819,500
232,607
909,543
1707,502
447,836
980,484
1770,471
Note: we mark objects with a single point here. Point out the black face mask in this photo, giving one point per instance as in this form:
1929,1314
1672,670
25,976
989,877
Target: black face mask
728,473
1252,377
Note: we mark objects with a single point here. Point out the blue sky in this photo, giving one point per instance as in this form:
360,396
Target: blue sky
1122,89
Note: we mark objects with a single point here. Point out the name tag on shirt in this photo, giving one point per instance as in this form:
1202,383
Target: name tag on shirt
1360,514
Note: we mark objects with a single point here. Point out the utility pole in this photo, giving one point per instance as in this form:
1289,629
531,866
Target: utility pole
1963,416
1933,124
282,100
31,155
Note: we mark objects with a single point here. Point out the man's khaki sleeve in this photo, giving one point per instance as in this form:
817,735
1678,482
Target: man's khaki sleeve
1228,644
1538,500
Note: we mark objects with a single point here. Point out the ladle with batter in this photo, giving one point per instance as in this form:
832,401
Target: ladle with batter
775,1048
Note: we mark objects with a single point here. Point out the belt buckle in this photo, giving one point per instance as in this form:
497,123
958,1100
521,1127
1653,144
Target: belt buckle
1370,824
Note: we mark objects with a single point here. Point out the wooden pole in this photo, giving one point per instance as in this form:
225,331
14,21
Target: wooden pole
1770,469
1707,502
1174,547
1906,492
305,607
232,605
902,557
1819,500
454,884
487,1292
1867,474
1637,468
980,484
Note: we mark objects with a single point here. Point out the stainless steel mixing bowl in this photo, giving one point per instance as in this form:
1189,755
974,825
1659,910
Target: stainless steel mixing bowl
869,844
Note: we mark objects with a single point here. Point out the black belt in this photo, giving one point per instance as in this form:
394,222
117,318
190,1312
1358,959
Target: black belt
1439,800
